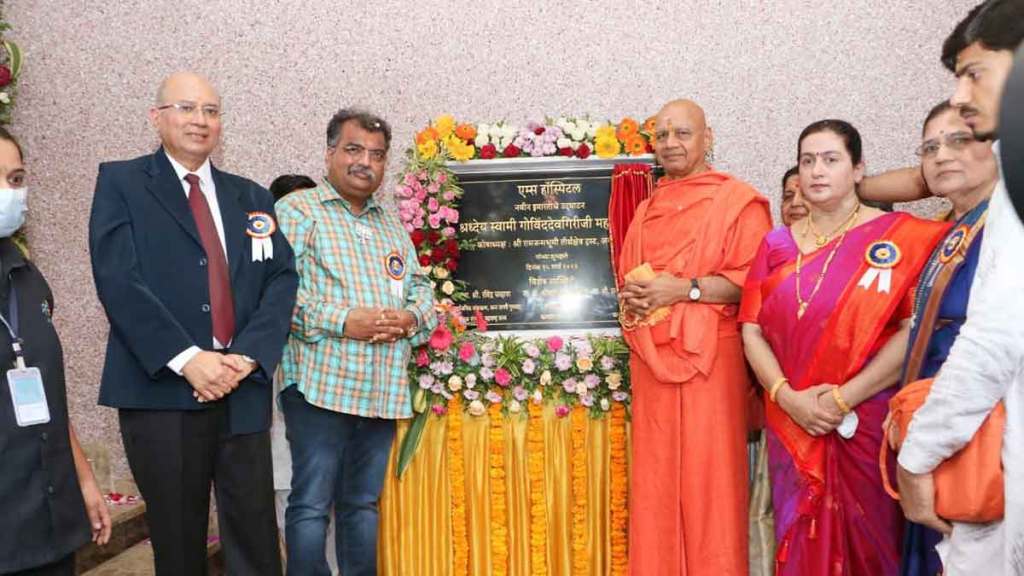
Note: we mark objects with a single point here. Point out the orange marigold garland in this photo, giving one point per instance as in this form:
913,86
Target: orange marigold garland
619,491
538,500
499,493
580,558
457,480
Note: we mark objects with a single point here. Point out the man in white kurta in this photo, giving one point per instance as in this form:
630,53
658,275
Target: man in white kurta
986,363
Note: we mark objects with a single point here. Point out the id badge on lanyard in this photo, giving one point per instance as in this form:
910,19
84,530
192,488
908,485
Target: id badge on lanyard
28,395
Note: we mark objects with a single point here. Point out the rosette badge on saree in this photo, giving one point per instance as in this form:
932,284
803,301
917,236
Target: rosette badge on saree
260,228
882,257
643,273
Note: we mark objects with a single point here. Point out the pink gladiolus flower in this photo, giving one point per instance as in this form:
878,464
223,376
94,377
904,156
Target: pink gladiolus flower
555,343
502,377
467,351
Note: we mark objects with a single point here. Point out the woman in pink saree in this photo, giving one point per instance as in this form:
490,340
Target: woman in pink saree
826,310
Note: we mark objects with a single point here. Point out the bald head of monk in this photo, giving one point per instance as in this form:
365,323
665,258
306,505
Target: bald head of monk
682,138
186,114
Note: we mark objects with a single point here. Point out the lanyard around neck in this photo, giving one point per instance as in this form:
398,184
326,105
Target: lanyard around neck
11,323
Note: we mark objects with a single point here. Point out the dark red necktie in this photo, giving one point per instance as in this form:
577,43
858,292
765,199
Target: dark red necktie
222,306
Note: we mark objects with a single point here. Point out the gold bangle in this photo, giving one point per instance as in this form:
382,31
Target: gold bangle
776,387
843,406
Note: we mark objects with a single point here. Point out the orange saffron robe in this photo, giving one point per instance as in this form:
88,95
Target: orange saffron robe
689,483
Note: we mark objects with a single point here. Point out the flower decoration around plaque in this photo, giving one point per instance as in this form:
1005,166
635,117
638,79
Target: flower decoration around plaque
462,367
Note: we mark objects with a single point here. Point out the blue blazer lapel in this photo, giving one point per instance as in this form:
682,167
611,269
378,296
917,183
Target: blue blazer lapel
163,184
234,218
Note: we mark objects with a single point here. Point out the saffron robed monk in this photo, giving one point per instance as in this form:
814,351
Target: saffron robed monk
684,258
198,286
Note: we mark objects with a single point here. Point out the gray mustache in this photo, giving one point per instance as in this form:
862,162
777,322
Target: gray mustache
361,170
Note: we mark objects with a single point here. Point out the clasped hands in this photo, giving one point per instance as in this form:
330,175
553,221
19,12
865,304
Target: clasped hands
214,375
641,297
379,324
814,409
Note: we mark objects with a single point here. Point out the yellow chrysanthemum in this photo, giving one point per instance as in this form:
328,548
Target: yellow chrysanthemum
427,150
605,131
459,149
606,147
444,125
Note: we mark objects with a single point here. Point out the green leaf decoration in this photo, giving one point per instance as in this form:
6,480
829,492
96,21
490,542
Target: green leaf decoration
15,54
411,442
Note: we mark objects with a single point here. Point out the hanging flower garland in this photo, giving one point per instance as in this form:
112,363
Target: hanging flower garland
499,493
619,492
538,498
457,482
580,558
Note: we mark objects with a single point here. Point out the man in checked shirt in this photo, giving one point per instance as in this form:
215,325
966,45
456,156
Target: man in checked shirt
362,305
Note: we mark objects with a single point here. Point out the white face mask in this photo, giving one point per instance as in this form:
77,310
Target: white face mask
13,205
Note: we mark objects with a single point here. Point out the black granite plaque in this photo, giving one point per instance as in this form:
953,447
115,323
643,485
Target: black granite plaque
542,257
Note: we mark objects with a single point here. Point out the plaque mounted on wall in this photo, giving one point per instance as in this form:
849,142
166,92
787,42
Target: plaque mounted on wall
542,255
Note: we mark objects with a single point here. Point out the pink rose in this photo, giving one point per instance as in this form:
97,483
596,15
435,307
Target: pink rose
448,232
562,411
452,216
434,187
409,180
467,351
441,178
449,195
441,339
422,358
555,343
421,195
434,220
432,205
439,409
502,377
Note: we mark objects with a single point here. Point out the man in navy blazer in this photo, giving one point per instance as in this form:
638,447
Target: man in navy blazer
198,286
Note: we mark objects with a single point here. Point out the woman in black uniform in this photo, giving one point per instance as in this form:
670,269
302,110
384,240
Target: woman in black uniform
49,500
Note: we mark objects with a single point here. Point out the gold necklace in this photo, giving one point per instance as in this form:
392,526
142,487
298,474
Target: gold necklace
801,303
822,239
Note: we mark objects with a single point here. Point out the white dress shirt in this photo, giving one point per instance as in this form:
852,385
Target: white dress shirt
985,365
209,188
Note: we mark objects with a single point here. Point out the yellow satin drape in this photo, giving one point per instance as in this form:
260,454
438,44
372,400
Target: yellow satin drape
415,524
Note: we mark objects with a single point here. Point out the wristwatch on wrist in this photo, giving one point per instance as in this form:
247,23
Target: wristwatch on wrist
695,292
411,330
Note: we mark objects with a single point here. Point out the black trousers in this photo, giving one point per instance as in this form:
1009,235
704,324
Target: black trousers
63,567
174,456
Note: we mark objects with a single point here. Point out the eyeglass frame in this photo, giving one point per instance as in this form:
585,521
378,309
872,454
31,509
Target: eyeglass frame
955,141
187,108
